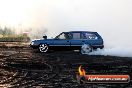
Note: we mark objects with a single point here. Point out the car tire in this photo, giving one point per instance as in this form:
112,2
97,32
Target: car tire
43,48
86,49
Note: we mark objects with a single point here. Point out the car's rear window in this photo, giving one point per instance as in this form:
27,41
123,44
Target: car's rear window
90,36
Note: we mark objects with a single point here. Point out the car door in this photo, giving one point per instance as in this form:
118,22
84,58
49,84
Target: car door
61,42
76,41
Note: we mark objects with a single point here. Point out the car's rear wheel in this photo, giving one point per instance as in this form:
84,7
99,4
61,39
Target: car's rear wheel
43,48
86,48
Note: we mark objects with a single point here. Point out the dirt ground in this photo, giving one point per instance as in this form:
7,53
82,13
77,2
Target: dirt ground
22,67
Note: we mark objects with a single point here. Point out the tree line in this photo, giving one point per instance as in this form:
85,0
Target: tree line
6,31
9,35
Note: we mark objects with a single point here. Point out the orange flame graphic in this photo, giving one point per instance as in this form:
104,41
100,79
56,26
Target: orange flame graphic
82,72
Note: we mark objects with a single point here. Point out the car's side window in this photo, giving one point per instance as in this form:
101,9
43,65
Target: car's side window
90,36
68,36
62,36
76,36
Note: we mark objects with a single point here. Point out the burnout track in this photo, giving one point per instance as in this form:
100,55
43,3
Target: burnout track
25,68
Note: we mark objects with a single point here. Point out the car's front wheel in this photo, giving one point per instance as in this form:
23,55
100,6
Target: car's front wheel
43,48
85,49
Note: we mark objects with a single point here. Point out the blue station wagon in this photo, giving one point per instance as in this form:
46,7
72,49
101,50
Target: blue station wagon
84,41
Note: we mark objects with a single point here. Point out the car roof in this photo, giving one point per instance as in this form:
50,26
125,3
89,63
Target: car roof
79,31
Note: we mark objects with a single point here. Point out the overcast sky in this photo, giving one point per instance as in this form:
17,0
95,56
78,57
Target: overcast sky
111,18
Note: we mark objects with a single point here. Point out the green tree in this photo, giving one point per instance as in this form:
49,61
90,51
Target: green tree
1,31
7,32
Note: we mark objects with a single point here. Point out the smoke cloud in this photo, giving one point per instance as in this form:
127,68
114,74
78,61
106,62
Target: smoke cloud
112,19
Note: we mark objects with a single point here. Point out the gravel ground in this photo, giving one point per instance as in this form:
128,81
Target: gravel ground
22,67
